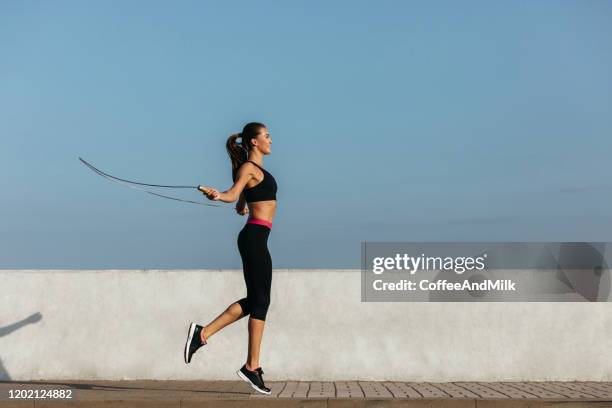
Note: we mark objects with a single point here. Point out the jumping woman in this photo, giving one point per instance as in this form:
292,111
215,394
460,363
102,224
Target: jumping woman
256,187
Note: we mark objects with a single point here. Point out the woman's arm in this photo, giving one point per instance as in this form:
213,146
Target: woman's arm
234,193
241,202
241,207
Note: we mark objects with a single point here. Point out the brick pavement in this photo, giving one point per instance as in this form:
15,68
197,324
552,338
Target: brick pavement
313,394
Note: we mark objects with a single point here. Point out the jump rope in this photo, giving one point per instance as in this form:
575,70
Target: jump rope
128,183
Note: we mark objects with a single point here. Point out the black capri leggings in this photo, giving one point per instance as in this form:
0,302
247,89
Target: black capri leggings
257,269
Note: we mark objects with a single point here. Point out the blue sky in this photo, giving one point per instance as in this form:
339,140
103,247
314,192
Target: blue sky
390,120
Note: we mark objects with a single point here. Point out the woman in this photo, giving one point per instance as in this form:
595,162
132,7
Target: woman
256,187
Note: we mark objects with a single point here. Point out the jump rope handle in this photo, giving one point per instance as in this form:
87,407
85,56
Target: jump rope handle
204,190
200,188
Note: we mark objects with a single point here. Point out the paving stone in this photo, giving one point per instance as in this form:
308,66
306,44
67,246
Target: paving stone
313,394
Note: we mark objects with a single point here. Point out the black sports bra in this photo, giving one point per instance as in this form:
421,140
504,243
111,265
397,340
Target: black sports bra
264,190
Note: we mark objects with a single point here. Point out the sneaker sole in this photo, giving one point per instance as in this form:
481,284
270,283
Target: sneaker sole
189,338
245,378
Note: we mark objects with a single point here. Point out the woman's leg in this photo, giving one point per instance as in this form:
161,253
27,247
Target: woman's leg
256,329
257,270
229,316
236,310
258,264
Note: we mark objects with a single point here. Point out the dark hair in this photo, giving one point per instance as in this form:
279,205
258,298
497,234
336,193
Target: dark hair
238,152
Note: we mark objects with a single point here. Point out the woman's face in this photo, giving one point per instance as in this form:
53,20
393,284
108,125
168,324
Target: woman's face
263,141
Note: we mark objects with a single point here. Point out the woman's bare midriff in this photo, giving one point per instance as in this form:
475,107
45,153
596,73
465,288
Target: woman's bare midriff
264,210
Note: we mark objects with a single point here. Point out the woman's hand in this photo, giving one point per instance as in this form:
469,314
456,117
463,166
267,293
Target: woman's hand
242,211
209,192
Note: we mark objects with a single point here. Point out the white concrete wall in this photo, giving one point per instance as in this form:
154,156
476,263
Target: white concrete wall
131,324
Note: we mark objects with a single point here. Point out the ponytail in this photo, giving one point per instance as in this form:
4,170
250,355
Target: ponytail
239,152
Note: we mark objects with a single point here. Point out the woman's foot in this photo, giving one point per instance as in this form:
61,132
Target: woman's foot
193,342
254,378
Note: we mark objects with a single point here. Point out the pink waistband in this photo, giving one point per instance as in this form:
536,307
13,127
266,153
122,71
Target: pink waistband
259,221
